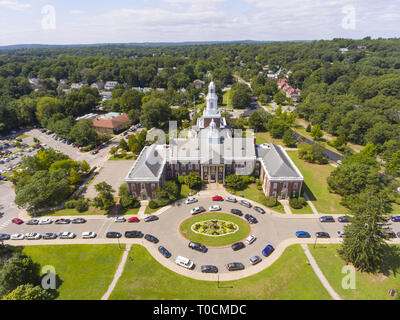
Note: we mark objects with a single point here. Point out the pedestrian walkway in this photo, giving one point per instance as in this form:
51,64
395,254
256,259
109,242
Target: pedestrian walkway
286,207
141,213
319,273
311,204
118,273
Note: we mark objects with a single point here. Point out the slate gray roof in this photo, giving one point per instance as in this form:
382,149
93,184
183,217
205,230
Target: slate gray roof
277,162
150,163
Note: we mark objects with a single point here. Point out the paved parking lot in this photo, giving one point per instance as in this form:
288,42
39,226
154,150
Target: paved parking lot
113,172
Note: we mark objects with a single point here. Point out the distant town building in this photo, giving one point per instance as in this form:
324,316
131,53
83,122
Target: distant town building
105,95
343,50
110,85
99,85
199,83
35,83
111,123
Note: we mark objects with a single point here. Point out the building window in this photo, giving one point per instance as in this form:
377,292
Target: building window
275,185
184,173
295,186
285,185
274,194
143,186
190,166
134,194
197,166
176,166
153,186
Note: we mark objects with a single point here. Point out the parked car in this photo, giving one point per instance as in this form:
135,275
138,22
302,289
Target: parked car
49,236
17,221
164,252
395,218
322,235
302,234
150,218
209,269
344,219
88,235
133,234
119,219
197,246
268,250
197,210
235,266
340,233
214,208
326,219
33,222
4,236
231,199
78,220
63,221
250,219
45,221
67,235
237,212
217,198
259,210
184,262
112,234
133,219
390,234
151,238
32,236
245,203
254,260
190,200
17,236
251,239
237,246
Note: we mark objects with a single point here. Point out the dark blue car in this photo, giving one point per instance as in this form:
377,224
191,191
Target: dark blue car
395,219
268,250
164,252
302,234
4,236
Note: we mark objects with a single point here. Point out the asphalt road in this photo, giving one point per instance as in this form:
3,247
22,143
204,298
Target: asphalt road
331,155
271,229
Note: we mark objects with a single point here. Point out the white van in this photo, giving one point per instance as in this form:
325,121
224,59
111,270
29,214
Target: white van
184,262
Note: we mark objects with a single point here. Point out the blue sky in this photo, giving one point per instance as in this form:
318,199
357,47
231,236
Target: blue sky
89,21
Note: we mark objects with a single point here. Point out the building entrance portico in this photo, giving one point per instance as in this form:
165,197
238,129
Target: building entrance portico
213,173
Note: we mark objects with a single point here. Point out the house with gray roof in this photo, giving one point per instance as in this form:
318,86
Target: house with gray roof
212,151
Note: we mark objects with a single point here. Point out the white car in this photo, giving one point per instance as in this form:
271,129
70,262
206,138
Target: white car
184,262
231,199
214,208
45,221
17,236
340,233
119,219
67,235
32,236
251,239
197,210
88,235
191,200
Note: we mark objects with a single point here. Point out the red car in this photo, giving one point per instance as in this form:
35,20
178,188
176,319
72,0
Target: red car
17,221
98,148
133,219
218,198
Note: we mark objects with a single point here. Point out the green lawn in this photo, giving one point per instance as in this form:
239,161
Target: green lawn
243,232
23,136
368,286
265,137
129,212
396,209
73,212
120,157
252,193
289,278
300,129
225,104
85,271
305,210
316,186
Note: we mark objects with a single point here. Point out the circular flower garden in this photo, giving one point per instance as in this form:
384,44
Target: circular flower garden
215,229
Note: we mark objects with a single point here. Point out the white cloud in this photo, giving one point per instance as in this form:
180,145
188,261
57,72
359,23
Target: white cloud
76,12
14,5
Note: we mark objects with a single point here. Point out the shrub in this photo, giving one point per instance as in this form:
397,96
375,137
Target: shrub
297,203
153,204
181,179
271,202
259,181
81,205
70,204
259,187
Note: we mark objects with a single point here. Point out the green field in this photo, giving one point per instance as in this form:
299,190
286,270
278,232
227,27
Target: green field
316,186
85,271
243,232
265,137
289,278
305,210
368,286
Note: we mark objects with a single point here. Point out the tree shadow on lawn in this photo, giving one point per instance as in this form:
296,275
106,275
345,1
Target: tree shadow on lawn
392,259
